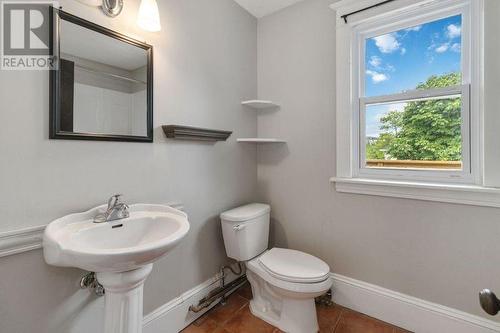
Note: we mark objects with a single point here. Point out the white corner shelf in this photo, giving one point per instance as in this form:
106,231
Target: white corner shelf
260,104
261,140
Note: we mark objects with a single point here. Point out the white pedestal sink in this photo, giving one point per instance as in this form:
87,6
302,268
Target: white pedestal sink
121,253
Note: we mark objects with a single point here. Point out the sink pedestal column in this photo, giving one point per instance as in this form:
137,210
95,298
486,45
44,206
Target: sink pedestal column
124,299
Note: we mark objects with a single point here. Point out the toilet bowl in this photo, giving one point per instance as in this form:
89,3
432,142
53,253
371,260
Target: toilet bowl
284,282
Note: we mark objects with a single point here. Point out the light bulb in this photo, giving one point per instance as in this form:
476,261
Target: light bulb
149,17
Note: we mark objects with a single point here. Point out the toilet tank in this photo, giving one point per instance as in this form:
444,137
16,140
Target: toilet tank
246,231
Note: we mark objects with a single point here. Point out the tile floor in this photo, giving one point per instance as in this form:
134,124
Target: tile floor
235,317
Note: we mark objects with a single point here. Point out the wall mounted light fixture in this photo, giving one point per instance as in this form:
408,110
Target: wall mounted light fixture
112,8
148,17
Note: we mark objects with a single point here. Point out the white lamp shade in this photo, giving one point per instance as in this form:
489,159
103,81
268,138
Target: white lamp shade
149,17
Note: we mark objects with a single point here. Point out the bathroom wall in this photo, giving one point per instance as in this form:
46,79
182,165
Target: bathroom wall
110,111
204,66
439,252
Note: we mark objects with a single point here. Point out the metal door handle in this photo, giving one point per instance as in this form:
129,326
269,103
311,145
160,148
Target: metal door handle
489,302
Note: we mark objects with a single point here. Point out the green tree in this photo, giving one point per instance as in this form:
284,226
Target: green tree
377,149
427,130
393,122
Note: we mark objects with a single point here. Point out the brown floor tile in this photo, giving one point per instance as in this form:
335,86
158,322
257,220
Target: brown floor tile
220,330
235,317
200,321
400,330
353,322
201,326
245,291
328,317
222,313
245,322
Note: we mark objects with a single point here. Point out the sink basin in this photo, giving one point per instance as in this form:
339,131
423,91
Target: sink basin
120,252
118,246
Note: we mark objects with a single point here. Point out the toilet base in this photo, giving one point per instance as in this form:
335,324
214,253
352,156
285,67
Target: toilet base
297,316
291,311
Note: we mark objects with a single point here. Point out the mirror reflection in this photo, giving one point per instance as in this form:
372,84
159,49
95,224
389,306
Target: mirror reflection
103,84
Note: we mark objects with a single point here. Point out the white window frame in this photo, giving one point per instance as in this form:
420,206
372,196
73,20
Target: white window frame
467,187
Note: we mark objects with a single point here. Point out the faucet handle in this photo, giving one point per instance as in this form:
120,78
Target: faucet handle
114,200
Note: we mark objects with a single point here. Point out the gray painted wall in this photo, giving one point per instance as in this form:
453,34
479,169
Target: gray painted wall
205,65
442,253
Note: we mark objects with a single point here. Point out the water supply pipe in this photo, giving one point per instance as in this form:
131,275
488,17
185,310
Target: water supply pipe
216,294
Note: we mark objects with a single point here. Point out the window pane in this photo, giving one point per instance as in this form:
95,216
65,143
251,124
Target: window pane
416,134
402,60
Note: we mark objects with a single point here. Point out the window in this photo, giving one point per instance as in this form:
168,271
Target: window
410,116
413,97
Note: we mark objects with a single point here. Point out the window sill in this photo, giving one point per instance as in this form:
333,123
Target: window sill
458,194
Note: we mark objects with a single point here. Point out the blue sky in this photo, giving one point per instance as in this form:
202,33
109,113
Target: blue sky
399,61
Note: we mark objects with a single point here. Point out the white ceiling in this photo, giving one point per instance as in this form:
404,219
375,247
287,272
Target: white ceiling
260,8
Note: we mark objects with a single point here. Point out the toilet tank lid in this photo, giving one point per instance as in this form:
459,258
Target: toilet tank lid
245,213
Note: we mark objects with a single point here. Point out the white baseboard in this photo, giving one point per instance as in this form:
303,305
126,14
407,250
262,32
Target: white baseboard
174,316
405,311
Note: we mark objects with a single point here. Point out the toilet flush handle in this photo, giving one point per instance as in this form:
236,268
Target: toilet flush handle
239,227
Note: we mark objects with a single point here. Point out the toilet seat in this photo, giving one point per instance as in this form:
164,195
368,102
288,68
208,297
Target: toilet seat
257,268
294,266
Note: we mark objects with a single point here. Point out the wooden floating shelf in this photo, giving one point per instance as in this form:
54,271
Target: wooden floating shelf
261,140
260,104
178,132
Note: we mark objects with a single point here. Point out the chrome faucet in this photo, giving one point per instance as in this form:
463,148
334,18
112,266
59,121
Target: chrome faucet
116,211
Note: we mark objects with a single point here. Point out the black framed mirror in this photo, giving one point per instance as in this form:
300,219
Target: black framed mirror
102,88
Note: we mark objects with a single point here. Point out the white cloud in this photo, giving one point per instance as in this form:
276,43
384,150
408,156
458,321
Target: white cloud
399,107
378,67
415,28
443,48
377,77
387,43
403,51
453,31
456,47
375,61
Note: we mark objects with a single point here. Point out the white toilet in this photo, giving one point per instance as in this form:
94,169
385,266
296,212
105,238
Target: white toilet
284,282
